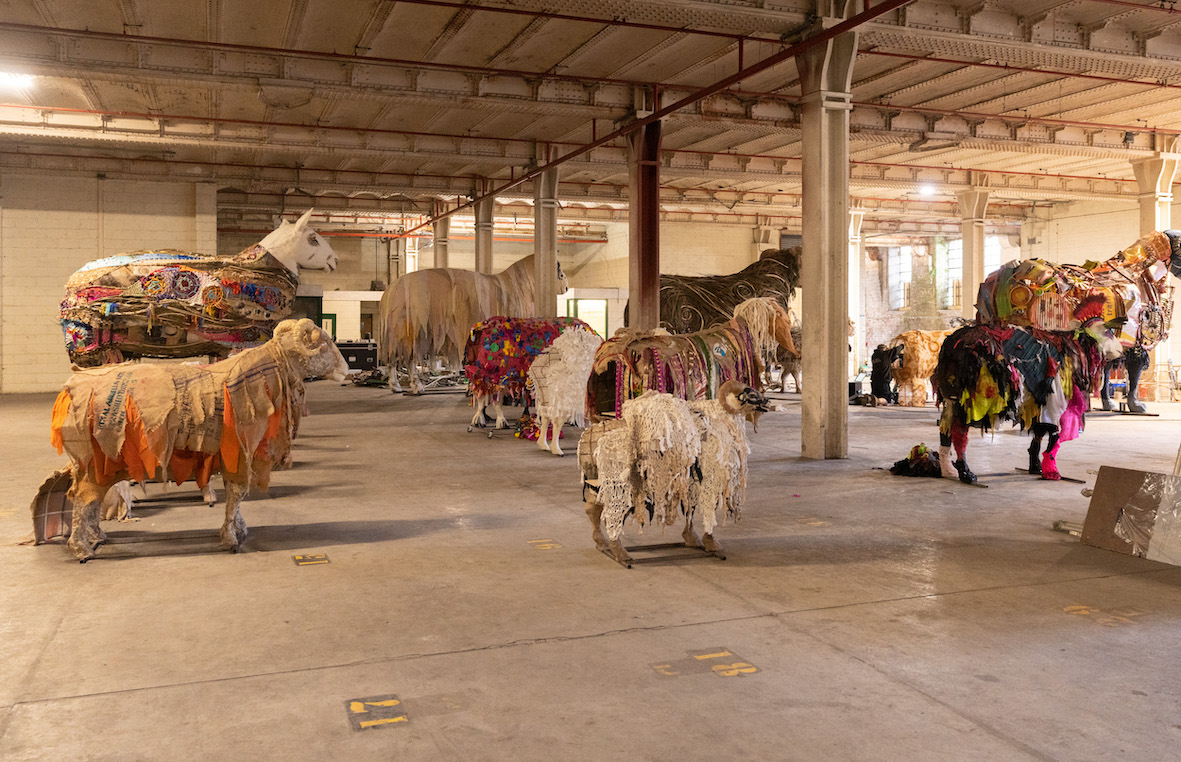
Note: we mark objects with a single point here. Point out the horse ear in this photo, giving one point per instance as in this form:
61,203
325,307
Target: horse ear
303,221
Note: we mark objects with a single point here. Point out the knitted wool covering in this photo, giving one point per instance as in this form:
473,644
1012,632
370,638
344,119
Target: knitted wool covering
560,373
646,462
500,351
723,464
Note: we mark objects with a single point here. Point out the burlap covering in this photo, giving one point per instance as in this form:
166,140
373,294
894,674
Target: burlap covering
430,313
920,356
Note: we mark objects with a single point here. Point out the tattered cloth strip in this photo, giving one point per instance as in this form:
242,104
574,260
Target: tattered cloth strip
920,461
1045,295
181,421
167,303
693,303
500,350
1015,374
690,366
721,465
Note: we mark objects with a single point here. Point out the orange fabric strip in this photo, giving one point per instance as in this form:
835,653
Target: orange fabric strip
231,450
61,408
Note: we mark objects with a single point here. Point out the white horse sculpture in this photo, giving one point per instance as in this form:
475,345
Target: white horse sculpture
168,303
428,314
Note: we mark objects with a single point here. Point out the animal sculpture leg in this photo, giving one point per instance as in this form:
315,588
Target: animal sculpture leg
689,536
1135,360
555,435
594,512
498,408
479,402
86,535
959,440
1050,458
710,545
233,531
1105,390
1035,448
542,432
209,495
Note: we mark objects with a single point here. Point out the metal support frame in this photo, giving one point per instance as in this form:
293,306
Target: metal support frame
644,227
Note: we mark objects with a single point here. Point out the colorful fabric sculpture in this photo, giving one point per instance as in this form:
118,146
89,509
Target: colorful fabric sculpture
167,303
691,366
499,351
694,303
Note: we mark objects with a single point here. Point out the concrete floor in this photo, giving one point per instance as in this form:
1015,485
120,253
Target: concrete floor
887,618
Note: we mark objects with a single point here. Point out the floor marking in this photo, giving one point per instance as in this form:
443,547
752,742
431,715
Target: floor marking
546,543
311,559
1111,617
811,521
699,663
375,712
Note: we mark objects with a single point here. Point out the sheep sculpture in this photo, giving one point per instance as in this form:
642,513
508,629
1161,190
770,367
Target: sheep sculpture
664,459
238,415
559,376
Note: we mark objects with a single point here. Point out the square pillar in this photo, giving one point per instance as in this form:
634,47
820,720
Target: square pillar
442,234
545,244
973,205
483,210
644,227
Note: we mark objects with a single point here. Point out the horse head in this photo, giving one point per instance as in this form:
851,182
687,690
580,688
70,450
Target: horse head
563,285
298,246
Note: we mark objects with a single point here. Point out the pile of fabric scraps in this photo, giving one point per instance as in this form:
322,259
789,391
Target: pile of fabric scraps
921,461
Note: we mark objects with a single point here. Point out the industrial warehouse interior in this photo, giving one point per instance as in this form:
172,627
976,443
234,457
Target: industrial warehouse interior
900,238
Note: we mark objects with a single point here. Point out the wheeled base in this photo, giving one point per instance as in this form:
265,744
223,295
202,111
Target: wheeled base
690,553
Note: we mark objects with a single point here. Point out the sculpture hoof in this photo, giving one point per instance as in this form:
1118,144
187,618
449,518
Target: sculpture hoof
965,474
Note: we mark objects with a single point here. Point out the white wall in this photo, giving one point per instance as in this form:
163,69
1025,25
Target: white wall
50,226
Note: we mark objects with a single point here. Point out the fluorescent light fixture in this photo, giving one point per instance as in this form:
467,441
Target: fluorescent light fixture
926,190
12,81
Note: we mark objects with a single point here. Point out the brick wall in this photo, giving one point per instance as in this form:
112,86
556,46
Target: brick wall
49,227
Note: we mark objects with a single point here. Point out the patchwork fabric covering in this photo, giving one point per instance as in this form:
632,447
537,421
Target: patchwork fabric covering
691,366
500,350
167,303
694,303
1009,373
1043,295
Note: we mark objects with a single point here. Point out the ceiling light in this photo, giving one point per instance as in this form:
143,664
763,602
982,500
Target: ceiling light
12,81
926,190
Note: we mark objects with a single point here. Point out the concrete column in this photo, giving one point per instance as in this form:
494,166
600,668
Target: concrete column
856,303
1154,177
825,73
483,211
442,230
973,204
545,244
644,227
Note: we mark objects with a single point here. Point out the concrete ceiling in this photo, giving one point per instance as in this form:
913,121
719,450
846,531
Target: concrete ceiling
386,107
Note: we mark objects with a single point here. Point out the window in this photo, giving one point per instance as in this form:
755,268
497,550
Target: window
949,266
992,255
591,311
900,266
